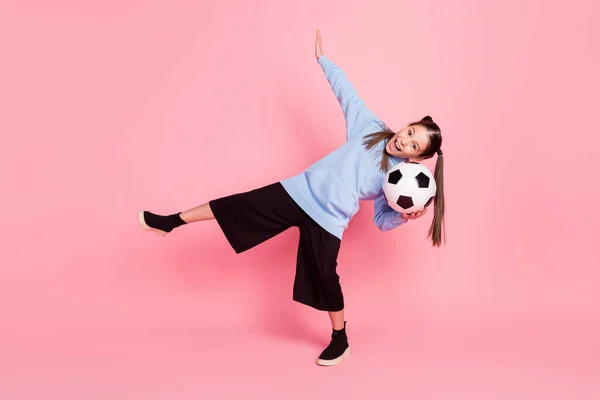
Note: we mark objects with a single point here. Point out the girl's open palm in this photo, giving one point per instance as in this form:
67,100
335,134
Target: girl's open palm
318,46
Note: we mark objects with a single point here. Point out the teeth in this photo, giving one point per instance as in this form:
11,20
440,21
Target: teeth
396,143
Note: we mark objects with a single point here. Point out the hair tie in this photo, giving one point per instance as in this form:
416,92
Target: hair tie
439,152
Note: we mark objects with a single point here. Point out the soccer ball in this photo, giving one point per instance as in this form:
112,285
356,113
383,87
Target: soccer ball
409,186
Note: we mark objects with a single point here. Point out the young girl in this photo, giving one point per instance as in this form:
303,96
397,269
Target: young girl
321,200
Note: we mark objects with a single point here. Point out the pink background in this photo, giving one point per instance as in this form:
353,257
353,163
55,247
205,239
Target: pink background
114,106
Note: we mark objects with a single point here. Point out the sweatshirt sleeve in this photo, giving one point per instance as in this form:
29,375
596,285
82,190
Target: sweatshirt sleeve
386,218
356,113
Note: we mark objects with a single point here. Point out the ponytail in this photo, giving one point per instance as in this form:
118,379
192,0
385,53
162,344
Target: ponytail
437,229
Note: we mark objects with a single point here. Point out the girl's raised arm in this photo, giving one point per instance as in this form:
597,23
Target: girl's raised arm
356,113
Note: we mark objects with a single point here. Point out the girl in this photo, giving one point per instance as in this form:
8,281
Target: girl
321,200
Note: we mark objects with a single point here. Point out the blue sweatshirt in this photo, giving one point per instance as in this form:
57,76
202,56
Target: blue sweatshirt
329,190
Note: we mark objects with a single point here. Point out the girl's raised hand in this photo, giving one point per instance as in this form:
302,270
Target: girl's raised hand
318,48
414,215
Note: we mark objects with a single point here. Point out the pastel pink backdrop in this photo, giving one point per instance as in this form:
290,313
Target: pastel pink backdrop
111,107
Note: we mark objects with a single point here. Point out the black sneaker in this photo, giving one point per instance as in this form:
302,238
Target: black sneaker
159,224
338,349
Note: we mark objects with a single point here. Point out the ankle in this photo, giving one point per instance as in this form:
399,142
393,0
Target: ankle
179,217
339,328
339,335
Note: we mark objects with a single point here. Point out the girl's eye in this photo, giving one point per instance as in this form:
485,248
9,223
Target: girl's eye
410,133
414,146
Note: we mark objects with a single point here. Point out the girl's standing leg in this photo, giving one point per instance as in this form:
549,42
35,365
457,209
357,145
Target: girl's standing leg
317,284
337,319
338,348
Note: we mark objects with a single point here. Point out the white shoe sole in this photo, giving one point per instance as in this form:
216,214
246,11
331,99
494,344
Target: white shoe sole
335,361
145,226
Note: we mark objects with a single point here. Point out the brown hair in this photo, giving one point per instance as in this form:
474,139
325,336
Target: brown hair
437,228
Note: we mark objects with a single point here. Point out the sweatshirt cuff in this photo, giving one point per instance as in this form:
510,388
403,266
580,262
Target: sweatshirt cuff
325,62
400,220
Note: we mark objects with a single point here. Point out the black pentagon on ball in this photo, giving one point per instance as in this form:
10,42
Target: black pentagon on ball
422,180
405,202
395,177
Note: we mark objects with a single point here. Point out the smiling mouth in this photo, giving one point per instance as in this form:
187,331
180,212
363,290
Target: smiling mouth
397,145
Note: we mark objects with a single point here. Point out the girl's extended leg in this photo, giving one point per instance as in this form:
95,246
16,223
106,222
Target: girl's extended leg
163,224
200,213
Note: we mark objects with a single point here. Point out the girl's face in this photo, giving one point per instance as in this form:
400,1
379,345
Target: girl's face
410,142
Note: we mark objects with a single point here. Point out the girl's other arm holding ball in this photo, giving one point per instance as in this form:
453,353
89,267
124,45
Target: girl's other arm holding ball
386,218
